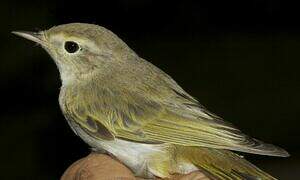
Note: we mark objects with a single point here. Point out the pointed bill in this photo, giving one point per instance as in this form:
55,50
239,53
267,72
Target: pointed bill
37,37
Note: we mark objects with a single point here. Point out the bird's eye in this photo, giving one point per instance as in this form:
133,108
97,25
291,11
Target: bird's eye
71,46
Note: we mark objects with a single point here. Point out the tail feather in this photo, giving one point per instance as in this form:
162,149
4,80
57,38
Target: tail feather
223,164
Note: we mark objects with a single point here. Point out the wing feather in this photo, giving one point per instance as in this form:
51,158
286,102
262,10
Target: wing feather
164,114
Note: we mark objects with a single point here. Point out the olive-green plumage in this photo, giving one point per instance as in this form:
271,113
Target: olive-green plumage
112,97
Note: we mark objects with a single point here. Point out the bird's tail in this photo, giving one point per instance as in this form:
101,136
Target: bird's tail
222,164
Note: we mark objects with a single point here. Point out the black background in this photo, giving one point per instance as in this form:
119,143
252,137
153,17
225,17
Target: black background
239,58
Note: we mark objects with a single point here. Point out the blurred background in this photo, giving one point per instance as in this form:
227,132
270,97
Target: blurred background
239,58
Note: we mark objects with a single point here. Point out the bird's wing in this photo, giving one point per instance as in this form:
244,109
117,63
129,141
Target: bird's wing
178,119
155,109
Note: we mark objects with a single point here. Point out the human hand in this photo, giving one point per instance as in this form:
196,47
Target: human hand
102,167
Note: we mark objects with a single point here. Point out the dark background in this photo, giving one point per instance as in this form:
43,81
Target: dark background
239,58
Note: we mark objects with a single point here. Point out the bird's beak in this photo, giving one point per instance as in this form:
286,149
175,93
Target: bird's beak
37,37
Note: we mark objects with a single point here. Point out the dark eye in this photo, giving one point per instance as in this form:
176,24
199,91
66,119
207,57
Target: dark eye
71,46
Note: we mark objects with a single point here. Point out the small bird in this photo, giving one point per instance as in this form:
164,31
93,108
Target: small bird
119,103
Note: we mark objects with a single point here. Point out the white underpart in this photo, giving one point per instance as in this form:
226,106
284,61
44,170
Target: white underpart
136,156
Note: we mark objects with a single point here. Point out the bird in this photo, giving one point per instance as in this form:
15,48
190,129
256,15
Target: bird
119,103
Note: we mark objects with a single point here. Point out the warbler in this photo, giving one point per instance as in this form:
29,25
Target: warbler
120,103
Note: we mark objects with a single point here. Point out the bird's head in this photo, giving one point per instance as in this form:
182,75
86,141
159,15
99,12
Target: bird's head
80,50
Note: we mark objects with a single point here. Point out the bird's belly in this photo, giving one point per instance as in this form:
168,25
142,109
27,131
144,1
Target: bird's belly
145,160
134,155
137,156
